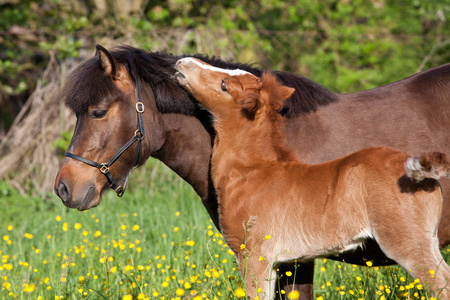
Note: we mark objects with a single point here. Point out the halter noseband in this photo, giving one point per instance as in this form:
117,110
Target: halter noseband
138,136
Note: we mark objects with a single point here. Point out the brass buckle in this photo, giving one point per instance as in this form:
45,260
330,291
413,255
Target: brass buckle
104,169
140,107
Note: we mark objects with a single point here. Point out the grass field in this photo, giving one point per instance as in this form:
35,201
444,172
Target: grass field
156,242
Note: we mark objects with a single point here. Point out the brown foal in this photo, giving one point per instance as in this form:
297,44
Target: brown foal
332,207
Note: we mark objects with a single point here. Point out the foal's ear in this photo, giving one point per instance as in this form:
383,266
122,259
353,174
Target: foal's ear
249,101
286,92
106,61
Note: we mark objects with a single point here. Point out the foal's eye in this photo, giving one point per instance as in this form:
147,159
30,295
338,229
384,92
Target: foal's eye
223,86
98,114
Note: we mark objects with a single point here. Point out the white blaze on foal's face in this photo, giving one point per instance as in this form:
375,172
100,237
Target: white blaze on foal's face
212,85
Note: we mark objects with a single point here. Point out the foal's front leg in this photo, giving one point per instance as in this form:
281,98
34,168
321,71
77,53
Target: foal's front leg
259,276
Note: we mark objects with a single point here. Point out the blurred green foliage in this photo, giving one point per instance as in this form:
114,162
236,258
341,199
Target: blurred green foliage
346,45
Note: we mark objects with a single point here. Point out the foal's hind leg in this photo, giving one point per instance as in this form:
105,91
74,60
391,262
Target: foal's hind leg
418,254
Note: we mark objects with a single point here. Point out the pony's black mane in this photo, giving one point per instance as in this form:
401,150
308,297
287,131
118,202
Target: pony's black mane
88,84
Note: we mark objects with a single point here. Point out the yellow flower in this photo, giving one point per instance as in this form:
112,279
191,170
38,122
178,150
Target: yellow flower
294,295
262,258
135,228
155,294
268,237
77,226
128,268
141,296
369,263
5,237
28,287
175,229
10,227
288,273
97,233
242,246
239,292
187,285
58,218
127,297
8,267
81,278
190,243
179,292
113,269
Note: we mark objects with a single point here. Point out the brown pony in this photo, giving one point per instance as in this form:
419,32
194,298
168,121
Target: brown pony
320,126
308,211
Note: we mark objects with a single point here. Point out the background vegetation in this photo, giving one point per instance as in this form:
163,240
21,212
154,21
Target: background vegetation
344,45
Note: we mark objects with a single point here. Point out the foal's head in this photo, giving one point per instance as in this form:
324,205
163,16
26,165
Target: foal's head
225,91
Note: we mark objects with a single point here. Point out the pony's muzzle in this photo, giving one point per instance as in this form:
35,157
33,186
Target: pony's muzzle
62,191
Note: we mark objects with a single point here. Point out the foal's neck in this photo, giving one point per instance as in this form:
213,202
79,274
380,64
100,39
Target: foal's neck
255,140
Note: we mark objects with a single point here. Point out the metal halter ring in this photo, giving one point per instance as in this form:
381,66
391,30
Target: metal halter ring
138,134
140,107
119,191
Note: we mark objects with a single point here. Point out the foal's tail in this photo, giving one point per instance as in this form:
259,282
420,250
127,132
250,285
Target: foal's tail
431,165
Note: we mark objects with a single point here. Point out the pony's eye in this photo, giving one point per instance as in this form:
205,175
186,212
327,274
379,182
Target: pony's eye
98,114
223,86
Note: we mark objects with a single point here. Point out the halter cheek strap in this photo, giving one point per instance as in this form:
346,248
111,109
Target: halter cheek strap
138,137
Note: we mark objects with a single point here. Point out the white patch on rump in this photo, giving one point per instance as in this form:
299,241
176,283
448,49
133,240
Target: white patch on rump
236,72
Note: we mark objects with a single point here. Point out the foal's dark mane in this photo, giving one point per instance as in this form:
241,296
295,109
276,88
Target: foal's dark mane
88,85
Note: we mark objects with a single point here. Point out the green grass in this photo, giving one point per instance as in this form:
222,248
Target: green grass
156,242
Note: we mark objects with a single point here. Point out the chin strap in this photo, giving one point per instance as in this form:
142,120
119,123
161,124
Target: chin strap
138,137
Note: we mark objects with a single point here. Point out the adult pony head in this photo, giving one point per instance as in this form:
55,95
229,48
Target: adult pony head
109,138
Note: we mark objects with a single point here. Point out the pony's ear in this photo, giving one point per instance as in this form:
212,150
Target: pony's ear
249,101
106,61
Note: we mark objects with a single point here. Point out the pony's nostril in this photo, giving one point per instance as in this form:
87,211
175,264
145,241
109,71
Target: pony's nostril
63,191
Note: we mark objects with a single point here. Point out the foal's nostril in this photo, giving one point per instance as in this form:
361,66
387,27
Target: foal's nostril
63,191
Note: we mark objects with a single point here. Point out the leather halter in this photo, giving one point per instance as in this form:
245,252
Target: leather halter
138,136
